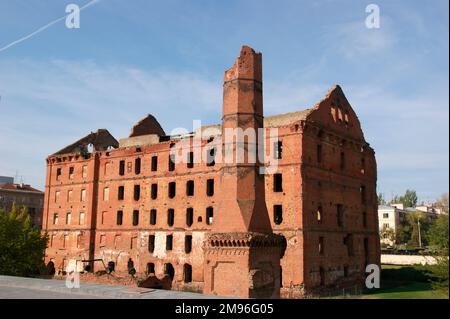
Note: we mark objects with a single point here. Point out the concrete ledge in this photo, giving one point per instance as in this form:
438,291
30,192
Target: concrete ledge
407,260
96,290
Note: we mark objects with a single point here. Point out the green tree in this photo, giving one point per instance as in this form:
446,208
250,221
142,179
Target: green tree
439,273
414,220
438,234
409,199
403,233
22,247
388,234
442,203
381,199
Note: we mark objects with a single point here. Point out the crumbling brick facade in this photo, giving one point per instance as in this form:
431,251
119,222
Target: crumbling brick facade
310,224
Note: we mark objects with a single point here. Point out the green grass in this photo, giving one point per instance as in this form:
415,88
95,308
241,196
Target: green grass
404,282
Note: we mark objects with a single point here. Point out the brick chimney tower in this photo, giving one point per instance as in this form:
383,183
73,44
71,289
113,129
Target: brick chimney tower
242,255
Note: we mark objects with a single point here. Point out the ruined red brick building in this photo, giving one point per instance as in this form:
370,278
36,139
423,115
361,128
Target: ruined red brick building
222,226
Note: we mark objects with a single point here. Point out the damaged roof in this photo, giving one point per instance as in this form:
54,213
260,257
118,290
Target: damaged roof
286,118
100,140
147,126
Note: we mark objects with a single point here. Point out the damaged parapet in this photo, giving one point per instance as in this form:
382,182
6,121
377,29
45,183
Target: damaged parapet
147,131
101,140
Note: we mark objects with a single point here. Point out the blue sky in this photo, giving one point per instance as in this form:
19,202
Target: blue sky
167,58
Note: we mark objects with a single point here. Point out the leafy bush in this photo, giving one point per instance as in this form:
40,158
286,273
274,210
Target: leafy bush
22,247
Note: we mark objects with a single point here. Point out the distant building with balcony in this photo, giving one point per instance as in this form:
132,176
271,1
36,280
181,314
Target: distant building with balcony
390,217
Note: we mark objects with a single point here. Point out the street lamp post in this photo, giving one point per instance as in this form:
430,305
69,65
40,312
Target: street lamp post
420,237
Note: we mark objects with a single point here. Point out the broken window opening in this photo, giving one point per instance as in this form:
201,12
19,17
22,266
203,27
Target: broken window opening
68,218
210,187
362,190
187,271
169,270
319,215
119,219
153,217
188,244
58,173
340,215
137,166
211,157
83,195
190,160
111,267
278,147
189,216
130,267
363,165
190,188
150,268
154,191
121,193
209,215
172,189
277,182
321,246
122,168
171,163
170,216
277,214
151,243
137,192
169,242
55,219
71,171
135,217
348,241
154,167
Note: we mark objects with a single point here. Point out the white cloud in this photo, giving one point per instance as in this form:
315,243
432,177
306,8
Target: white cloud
355,40
47,105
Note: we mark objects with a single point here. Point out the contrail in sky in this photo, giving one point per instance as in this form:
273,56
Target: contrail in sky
48,25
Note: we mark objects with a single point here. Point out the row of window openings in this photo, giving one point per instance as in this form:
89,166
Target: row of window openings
342,163
168,270
70,195
71,172
137,191
154,162
277,216
151,242
348,243
170,217
340,213
278,187
64,241
81,218
154,190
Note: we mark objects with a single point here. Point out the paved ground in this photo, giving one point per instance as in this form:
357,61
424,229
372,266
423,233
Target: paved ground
31,288
27,293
